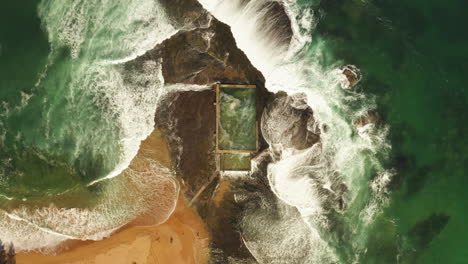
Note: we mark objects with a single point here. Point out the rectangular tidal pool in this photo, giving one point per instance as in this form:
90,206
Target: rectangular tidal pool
236,125
236,118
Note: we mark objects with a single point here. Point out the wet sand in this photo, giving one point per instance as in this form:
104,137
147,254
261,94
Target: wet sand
183,238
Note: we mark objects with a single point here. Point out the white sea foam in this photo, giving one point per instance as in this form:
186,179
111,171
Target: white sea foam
312,180
100,41
180,87
117,30
147,189
282,236
105,37
132,101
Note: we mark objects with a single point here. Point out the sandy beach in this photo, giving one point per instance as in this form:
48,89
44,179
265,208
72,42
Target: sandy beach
183,238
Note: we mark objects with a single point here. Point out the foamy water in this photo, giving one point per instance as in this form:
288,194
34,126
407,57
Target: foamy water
106,38
100,42
148,188
312,180
307,183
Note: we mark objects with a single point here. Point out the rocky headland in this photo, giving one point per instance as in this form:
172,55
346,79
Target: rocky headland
204,52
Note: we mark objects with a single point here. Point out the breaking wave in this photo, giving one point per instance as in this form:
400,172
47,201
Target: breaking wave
338,185
96,109
337,182
100,40
145,189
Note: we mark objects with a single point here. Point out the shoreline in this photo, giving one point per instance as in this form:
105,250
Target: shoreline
183,239
177,235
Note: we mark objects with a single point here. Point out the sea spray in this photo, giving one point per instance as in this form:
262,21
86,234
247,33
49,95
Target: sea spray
339,185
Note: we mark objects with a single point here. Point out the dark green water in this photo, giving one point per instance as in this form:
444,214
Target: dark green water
48,146
57,134
413,57
69,114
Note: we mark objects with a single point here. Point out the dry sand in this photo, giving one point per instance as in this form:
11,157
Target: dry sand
181,239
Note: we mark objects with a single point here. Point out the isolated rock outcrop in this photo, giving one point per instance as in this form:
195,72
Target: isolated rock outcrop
352,74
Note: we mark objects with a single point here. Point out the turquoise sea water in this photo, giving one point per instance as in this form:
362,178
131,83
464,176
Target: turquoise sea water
405,203
72,114
413,57
61,128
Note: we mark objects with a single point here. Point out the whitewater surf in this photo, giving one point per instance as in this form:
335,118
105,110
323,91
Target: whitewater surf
98,111
344,168
98,106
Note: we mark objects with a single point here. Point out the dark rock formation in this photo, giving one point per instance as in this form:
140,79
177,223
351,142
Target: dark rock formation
199,56
368,118
353,74
289,121
186,13
206,55
232,198
204,52
189,122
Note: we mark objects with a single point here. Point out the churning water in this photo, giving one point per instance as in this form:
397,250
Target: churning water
72,118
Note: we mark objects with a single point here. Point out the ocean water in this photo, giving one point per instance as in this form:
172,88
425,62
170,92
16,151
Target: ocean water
412,55
72,118
62,119
405,175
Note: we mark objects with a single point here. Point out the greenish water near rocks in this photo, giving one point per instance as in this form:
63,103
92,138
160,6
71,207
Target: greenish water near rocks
237,119
236,161
60,130
413,58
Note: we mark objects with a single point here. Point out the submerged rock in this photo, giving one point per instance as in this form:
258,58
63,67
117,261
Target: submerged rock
368,118
422,234
426,230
